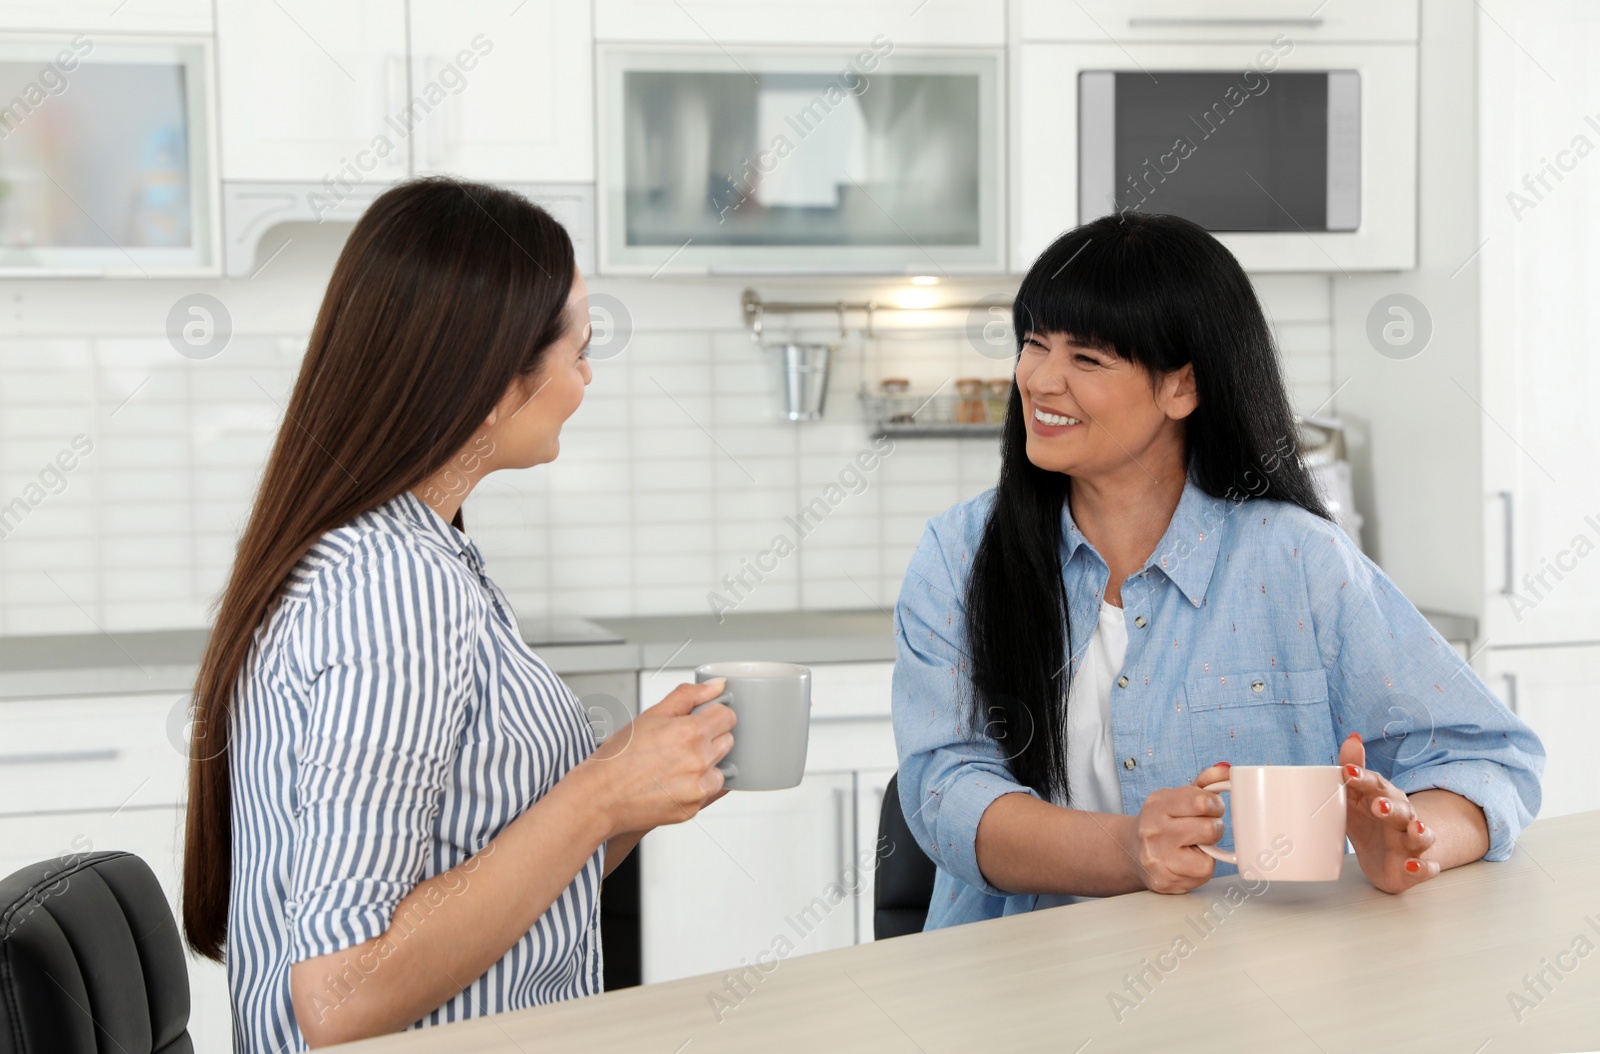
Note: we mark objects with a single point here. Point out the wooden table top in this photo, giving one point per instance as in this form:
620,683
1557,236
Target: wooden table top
1486,958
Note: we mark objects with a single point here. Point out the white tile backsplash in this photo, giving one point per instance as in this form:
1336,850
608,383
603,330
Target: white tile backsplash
675,477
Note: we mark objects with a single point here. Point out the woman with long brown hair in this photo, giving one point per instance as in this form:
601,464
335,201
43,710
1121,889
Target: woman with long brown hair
399,816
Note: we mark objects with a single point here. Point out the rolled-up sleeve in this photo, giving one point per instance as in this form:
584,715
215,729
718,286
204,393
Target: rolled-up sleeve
950,771
392,683
1426,719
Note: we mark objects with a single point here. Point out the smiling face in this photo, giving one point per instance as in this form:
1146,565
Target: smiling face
1092,414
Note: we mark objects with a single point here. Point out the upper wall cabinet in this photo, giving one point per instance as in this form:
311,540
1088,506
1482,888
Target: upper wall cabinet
384,90
512,90
959,23
753,160
312,91
484,90
1122,21
186,17
109,163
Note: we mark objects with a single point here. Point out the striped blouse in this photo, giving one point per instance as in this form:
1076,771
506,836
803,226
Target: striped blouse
388,723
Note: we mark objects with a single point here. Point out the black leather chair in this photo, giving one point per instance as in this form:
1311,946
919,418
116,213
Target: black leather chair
903,882
91,961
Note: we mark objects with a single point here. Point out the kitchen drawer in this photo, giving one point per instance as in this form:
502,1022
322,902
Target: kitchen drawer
850,726
98,752
840,691
850,690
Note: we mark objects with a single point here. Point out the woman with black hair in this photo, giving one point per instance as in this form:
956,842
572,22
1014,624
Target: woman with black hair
1155,591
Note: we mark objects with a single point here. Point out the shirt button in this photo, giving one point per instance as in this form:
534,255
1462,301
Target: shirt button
1128,763
1122,682
1140,622
1256,686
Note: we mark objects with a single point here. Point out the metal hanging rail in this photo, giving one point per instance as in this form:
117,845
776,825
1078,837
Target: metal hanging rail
755,309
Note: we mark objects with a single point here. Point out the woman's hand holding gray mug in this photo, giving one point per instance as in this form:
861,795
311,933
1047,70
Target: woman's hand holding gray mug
660,768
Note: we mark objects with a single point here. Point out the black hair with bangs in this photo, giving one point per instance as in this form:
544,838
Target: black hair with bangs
1160,292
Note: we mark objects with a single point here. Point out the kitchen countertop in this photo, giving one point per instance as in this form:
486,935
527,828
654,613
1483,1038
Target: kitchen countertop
1484,956
34,667
118,663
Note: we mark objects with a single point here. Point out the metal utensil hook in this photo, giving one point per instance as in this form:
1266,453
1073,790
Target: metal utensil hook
839,307
750,304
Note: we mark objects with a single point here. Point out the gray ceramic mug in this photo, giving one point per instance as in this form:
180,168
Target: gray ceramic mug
773,704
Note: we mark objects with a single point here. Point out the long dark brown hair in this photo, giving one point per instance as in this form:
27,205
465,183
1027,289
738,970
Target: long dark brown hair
1160,292
445,293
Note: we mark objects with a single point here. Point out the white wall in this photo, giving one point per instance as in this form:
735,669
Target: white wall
647,509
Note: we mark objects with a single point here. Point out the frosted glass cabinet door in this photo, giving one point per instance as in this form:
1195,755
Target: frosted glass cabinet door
752,879
875,160
310,89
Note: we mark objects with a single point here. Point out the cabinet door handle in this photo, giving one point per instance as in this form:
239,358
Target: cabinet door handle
397,93
1511,691
47,757
1510,585
842,816
1228,23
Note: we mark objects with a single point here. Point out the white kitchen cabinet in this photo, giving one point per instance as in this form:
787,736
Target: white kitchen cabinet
156,836
313,91
385,91
756,877
96,17
1538,270
94,753
1464,384
1553,690
94,773
486,91
871,785
758,866
949,23
1160,20
513,85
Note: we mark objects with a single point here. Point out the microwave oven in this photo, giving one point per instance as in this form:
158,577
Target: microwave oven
1292,139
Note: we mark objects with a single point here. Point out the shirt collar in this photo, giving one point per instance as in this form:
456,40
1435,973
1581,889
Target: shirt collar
1187,552
421,517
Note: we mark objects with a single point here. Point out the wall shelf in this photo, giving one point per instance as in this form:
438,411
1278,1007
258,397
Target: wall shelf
937,416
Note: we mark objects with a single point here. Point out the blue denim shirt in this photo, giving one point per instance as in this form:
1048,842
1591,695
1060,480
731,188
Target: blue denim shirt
1267,637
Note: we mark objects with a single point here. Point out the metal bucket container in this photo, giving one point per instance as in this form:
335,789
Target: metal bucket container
805,379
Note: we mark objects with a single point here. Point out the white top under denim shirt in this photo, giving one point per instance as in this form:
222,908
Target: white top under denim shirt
1258,634
390,721
1092,783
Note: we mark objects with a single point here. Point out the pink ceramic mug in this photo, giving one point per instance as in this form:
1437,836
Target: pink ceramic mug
1288,822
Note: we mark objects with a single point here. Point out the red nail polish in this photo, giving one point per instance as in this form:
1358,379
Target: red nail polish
1413,866
1420,828
1384,806
1352,771
1355,736
1222,765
